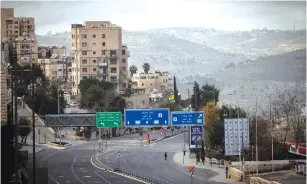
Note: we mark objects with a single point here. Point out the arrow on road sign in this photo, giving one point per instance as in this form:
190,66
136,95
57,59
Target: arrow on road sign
200,115
115,123
102,124
128,122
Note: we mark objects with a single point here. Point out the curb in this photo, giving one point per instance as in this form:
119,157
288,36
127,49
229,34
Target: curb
57,146
109,170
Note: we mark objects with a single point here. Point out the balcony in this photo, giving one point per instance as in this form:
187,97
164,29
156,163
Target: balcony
103,72
102,64
128,53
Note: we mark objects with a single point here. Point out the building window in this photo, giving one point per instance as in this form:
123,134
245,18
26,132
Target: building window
84,70
84,77
103,44
94,52
94,61
124,68
142,77
94,69
142,84
123,52
103,36
113,70
84,53
103,52
84,44
123,60
69,69
113,62
94,36
16,22
94,44
113,78
151,84
84,61
84,35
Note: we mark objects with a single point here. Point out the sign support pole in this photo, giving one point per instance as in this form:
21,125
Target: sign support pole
191,178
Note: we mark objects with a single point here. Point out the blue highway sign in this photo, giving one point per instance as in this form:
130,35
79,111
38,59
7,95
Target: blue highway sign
146,117
181,118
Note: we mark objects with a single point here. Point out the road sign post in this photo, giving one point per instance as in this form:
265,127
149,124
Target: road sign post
147,117
192,171
108,119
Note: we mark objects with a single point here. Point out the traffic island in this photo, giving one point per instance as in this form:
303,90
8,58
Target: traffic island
59,145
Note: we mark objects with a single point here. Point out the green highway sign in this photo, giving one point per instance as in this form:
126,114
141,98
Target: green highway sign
108,119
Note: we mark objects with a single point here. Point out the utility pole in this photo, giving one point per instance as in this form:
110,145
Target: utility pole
272,133
33,127
239,132
256,136
196,109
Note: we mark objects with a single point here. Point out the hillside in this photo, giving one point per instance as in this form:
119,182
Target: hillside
253,44
218,57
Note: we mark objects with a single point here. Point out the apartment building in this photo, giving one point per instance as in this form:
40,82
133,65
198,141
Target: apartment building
98,52
55,68
20,31
4,91
159,81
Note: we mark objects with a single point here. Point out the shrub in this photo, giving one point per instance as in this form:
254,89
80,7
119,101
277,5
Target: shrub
79,133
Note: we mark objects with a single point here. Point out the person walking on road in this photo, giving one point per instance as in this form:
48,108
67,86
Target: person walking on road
165,155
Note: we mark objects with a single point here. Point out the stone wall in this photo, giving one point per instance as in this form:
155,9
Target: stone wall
236,174
258,180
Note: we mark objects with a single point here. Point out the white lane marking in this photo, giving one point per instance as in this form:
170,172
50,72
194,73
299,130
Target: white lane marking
87,176
102,177
73,172
61,176
54,180
167,139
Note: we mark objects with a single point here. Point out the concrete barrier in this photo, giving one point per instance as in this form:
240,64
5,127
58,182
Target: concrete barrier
236,174
258,180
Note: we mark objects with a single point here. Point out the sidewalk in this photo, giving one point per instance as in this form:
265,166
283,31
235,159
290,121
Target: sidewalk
29,148
221,173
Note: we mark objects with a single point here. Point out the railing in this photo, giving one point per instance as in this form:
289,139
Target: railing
140,177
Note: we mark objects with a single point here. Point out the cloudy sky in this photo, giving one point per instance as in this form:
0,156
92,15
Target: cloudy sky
56,16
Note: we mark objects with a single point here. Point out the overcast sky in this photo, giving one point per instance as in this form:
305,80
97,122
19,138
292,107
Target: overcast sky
148,14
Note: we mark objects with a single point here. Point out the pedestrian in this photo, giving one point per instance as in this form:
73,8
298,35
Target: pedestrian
226,171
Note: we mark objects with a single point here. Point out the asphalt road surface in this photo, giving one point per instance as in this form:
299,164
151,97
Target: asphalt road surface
73,165
149,161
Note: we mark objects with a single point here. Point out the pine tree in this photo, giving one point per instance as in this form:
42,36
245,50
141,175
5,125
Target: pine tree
196,103
176,92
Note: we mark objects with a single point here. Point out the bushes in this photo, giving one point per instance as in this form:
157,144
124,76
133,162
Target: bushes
79,133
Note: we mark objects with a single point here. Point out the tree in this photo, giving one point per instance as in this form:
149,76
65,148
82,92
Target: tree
93,98
85,84
209,93
212,115
171,106
284,106
133,69
176,92
196,97
146,67
23,132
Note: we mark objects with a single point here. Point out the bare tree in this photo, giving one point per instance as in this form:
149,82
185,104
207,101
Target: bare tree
284,109
298,122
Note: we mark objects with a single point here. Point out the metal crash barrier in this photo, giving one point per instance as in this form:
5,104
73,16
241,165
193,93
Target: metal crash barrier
140,177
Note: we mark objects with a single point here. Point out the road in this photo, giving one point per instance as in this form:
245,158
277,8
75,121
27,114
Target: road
149,161
73,165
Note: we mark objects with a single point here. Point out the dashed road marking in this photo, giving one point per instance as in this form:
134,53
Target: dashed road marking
54,180
87,176
102,177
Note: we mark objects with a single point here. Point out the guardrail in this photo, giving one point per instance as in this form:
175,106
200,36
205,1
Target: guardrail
140,177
